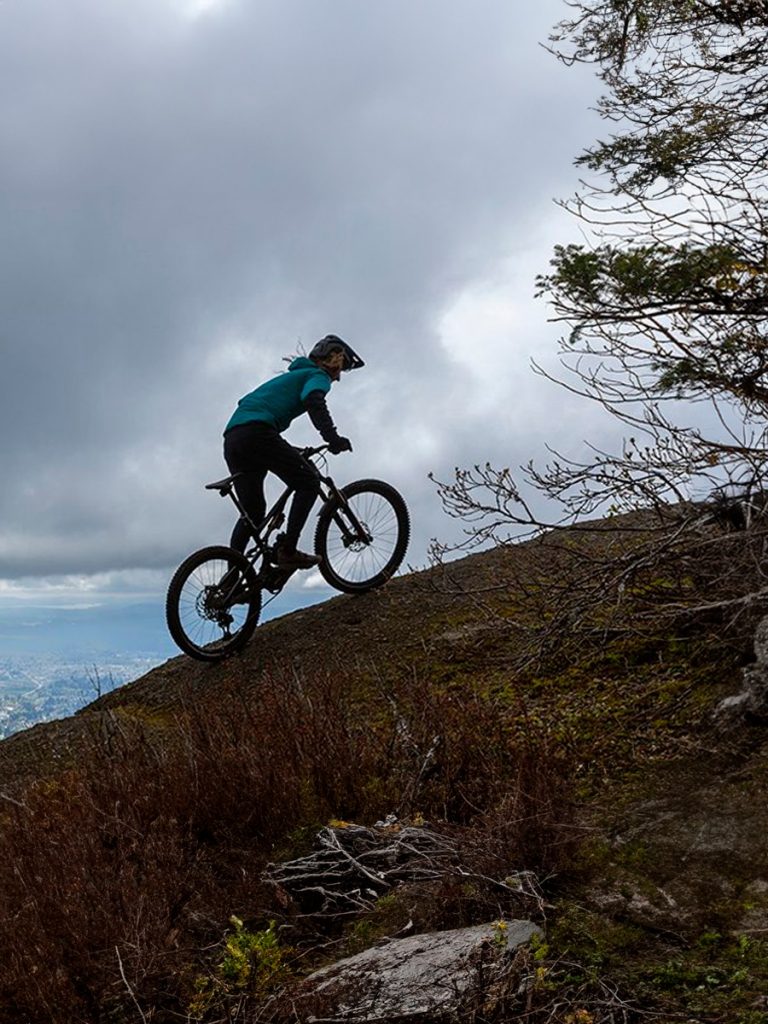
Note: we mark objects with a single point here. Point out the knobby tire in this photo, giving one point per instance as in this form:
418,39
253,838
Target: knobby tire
357,568
192,624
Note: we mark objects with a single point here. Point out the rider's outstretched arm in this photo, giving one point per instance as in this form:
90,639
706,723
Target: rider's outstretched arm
318,413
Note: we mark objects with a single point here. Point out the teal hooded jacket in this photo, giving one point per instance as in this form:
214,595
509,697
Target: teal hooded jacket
280,400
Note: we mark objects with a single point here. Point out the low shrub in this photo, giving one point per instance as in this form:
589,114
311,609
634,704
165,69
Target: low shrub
119,874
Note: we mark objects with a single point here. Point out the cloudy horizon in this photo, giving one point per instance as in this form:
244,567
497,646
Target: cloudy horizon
193,189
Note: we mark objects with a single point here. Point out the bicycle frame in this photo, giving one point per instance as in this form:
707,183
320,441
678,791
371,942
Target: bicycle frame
217,594
350,527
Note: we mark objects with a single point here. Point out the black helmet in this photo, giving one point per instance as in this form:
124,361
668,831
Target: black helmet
330,344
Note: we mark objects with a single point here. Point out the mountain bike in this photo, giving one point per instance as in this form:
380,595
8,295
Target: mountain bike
215,596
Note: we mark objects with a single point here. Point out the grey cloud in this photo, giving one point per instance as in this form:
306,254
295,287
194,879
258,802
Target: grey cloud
266,172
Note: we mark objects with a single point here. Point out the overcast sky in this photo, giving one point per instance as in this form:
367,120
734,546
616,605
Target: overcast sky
191,190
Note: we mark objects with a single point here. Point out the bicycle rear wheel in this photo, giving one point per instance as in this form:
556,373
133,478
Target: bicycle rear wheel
363,538
213,603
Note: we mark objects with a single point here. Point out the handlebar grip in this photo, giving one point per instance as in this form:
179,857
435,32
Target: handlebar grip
309,452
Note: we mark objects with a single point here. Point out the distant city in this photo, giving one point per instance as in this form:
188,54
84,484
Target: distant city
40,688
55,659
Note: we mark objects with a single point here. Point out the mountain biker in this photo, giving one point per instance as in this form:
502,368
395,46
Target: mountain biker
253,445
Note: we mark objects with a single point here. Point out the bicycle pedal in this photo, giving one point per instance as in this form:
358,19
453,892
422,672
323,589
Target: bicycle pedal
273,579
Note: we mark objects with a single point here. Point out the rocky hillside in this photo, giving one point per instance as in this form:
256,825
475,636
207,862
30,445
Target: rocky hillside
599,792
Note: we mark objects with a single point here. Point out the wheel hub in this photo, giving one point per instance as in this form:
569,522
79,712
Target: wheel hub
208,605
358,542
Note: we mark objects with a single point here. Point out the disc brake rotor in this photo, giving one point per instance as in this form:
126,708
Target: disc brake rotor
359,543
208,607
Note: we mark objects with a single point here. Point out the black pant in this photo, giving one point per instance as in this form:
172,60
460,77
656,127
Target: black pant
255,449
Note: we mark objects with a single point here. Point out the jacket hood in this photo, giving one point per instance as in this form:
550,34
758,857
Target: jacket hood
302,363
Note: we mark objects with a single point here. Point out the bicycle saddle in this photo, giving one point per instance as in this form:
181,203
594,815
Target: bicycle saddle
223,486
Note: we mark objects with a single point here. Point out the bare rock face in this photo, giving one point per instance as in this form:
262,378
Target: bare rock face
432,977
752,701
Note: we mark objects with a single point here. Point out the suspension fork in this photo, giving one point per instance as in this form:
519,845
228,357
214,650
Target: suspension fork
359,532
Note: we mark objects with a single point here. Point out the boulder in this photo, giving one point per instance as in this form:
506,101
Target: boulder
436,976
751,703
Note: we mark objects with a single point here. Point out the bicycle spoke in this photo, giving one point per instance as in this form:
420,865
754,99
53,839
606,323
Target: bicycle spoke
211,606
361,559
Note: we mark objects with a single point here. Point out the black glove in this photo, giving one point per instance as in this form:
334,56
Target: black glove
340,444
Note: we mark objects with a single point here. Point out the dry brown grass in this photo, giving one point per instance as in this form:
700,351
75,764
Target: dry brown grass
117,875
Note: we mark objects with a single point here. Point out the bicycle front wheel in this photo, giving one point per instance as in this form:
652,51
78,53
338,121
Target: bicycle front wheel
213,603
362,538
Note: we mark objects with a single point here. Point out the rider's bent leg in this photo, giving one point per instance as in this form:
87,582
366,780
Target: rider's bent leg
241,533
243,454
302,476
254,449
